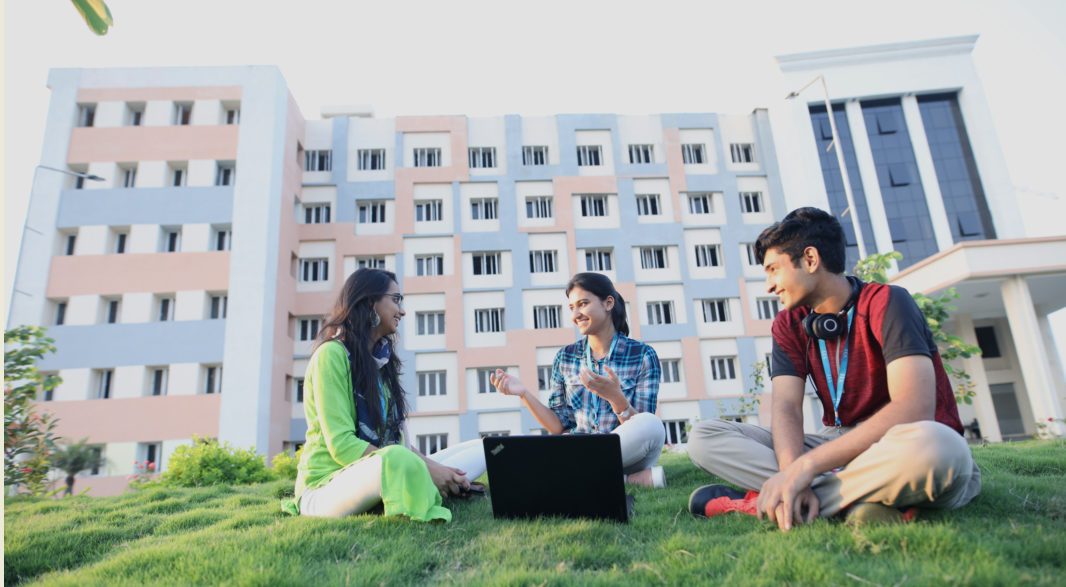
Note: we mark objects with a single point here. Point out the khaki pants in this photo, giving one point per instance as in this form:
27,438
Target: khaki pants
924,464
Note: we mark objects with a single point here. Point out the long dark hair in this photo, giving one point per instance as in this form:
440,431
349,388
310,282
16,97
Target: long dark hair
349,322
601,286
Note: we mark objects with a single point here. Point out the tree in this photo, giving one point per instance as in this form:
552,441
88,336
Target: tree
28,439
936,310
75,458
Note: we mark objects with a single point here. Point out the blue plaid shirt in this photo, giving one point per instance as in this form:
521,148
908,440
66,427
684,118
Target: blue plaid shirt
582,411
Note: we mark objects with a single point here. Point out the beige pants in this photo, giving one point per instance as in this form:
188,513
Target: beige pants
923,464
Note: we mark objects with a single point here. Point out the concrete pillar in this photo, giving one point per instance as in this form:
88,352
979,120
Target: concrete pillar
1054,363
1032,354
868,173
933,198
975,367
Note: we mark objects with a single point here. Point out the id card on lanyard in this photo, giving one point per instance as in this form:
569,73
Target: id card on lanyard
594,400
836,388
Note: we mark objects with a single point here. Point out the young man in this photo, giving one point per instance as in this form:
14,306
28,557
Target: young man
892,436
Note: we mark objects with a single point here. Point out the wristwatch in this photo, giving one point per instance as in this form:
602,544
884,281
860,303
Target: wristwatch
625,413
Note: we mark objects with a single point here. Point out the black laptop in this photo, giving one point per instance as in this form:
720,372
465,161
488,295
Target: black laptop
570,475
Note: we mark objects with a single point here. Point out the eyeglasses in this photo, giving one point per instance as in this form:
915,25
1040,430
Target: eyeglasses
398,298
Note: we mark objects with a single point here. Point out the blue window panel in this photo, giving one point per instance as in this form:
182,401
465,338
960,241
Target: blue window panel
886,123
898,230
956,169
898,174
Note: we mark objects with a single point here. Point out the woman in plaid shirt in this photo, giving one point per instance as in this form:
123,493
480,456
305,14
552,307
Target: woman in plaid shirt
605,383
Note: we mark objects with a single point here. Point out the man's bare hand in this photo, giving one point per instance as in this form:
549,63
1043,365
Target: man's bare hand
784,496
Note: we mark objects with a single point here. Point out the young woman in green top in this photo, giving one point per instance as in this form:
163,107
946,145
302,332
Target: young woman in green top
357,452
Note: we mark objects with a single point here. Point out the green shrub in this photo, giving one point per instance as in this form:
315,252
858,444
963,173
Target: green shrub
285,465
208,462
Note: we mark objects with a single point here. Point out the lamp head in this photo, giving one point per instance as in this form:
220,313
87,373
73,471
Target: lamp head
93,177
792,95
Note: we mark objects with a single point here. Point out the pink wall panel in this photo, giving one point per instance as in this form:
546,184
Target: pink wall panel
153,143
117,274
146,94
136,419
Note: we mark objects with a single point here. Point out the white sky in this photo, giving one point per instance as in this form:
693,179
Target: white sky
547,57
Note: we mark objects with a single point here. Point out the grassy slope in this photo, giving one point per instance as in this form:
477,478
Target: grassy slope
1013,533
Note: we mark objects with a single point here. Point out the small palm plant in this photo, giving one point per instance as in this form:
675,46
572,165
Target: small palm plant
73,458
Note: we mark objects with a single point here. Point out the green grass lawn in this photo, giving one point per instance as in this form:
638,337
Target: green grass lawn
1013,533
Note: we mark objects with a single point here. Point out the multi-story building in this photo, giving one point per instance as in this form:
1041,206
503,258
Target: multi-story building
169,271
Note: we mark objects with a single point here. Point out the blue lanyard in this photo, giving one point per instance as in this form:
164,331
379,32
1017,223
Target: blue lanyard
837,391
594,400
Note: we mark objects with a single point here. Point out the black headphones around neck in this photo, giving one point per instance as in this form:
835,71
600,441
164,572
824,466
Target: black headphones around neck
830,326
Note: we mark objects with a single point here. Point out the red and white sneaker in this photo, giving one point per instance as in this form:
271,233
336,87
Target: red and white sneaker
712,500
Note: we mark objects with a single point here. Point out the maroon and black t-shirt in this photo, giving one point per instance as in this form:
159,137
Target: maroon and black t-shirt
887,325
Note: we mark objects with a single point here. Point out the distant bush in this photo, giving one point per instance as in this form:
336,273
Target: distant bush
285,465
208,462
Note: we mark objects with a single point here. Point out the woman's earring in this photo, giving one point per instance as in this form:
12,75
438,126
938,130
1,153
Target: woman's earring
375,319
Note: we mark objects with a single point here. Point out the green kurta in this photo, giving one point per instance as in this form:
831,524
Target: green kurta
332,445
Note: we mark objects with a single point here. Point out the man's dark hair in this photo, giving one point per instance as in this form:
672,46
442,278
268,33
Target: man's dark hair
802,228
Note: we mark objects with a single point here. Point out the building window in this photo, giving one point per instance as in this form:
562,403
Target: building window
598,261
648,205
543,261
223,240
676,432
172,242
159,381
722,368
371,159
120,243
430,323
431,443
431,211
166,309
699,204
182,114
135,116
299,383
708,255
233,116
715,310
749,255
483,209
129,177
179,178
219,305
482,157
986,339
534,155
372,262
435,383
593,206
653,258
539,207
484,383
314,270
661,313
544,377
318,160
103,387
61,313
113,307
151,454
486,263
547,317
432,265
79,183
588,156
320,214
71,240
227,175
98,456
640,154
671,370
768,308
309,329
769,362
751,202
693,154
488,320
426,158
742,152
371,213
213,380
86,115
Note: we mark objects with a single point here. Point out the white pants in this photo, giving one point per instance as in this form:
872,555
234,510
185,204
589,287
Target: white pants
357,489
643,437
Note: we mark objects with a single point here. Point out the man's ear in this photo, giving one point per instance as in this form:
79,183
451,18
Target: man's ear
811,260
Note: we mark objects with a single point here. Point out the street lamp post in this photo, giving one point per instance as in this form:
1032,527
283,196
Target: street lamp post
840,160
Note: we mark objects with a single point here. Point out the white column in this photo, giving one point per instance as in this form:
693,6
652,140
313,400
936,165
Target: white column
975,368
1032,354
868,172
1054,363
927,171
